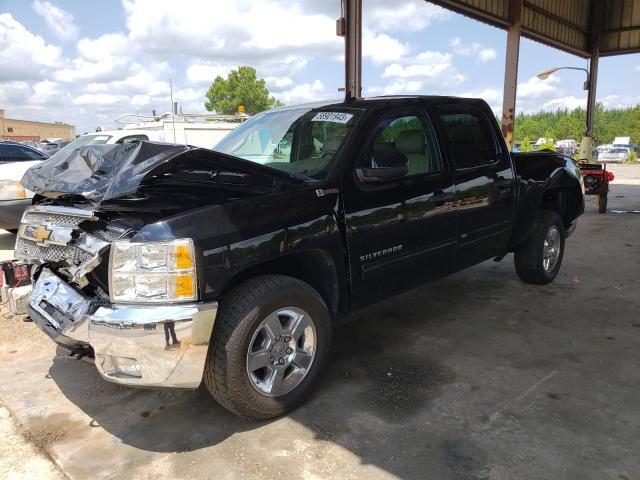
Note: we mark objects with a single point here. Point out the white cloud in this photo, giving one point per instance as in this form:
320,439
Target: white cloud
482,54
96,99
107,46
239,32
381,47
486,55
59,21
205,72
534,88
397,16
570,102
426,64
398,87
23,55
307,92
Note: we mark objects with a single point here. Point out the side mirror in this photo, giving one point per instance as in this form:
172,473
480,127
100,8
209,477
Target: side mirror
388,164
372,175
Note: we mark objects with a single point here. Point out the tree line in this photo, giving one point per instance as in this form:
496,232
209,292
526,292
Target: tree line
571,124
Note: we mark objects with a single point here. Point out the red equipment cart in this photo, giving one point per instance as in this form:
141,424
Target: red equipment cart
596,182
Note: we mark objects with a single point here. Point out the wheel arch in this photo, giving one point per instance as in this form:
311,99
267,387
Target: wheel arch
315,267
560,193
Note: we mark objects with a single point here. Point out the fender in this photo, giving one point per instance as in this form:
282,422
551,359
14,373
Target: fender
561,191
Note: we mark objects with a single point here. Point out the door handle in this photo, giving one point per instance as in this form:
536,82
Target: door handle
439,198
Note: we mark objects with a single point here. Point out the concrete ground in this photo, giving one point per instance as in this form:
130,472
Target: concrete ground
476,376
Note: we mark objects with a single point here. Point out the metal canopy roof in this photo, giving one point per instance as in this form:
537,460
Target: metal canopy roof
564,24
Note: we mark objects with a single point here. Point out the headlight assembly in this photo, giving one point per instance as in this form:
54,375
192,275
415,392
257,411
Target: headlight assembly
11,190
153,272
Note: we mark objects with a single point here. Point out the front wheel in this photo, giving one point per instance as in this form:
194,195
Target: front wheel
538,260
270,344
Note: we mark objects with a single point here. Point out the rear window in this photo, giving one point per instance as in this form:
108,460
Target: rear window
469,138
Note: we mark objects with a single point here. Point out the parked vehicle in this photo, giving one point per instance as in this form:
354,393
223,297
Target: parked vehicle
15,159
111,137
52,147
198,129
615,155
170,265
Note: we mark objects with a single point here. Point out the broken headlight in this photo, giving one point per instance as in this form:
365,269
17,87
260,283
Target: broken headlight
153,272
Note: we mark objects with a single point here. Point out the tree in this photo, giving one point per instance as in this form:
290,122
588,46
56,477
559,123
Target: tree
242,87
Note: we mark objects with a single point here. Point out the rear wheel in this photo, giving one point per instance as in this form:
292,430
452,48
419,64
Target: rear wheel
270,344
538,260
602,203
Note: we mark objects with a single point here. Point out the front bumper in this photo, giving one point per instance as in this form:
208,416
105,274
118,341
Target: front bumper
11,212
146,346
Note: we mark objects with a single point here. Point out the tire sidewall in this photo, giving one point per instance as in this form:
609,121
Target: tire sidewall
548,222
299,295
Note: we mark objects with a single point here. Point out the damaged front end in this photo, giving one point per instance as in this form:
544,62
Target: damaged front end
97,196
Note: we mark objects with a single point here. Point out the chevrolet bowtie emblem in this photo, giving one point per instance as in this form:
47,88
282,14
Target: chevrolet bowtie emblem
41,233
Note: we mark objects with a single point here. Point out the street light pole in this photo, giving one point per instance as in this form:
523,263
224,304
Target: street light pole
586,144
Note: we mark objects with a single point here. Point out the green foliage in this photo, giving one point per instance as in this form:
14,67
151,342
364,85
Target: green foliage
562,124
526,145
547,146
242,87
632,158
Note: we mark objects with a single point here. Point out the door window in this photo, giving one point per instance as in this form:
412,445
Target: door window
17,153
470,139
408,137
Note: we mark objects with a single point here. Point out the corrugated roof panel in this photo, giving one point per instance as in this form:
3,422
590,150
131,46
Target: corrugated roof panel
621,27
564,24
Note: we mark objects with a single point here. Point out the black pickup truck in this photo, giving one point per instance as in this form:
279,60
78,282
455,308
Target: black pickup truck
171,265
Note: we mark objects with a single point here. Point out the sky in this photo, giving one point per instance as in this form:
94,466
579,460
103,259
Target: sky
87,63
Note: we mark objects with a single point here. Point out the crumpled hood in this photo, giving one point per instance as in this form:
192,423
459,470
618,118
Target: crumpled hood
100,173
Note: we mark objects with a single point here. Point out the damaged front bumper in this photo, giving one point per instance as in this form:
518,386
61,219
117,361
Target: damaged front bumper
146,346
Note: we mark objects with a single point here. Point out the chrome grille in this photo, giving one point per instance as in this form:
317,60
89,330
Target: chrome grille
42,218
27,250
38,252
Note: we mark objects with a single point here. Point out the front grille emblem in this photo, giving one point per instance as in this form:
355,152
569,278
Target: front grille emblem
37,233
41,234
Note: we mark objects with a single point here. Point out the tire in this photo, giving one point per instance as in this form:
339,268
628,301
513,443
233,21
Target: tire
240,325
530,256
602,203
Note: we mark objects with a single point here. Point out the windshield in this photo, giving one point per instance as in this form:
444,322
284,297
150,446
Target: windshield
82,141
299,141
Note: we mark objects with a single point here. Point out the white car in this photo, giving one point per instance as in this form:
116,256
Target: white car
15,159
111,137
615,155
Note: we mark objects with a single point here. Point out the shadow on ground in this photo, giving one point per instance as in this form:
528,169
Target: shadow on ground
448,381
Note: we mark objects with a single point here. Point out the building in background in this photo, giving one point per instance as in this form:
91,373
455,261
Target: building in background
24,130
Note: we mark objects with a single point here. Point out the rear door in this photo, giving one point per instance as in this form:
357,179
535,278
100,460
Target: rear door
401,231
485,181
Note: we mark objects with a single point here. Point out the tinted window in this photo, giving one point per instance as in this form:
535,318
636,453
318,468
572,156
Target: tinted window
17,153
133,138
411,136
470,139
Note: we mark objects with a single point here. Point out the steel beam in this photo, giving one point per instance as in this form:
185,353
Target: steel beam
511,71
586,146
353,48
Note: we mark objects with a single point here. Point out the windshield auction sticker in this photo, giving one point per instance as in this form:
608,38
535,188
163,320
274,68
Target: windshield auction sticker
336,117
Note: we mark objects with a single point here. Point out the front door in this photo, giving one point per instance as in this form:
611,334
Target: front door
401,229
